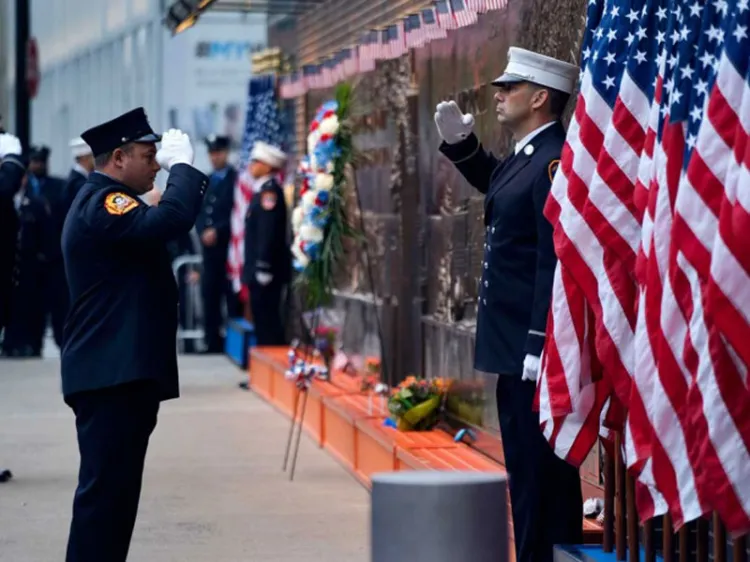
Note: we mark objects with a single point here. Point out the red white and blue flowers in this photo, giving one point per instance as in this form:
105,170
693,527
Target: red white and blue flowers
312,214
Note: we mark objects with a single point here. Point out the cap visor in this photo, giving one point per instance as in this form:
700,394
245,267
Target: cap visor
149,138
507,79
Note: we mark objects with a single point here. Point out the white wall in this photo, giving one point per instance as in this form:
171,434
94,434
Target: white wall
100,58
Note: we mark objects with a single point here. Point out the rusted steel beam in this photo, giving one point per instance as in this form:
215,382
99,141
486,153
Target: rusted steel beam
668,540
632,520
621,506
739,549
720,540
609,502
649,544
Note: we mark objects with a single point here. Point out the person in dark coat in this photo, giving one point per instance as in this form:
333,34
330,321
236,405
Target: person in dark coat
12,175
267,267
38,262
516,286
214,228
47,194
119,357
83,165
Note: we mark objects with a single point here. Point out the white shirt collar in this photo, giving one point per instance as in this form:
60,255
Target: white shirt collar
527,139
258,183
81,170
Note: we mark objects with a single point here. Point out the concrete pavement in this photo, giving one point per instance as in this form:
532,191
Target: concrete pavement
213,486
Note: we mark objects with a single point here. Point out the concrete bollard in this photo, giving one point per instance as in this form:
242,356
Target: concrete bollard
433,516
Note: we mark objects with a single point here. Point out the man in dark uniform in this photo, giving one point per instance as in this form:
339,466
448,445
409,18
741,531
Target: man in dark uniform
12,172
119,359
214,228
47,195
83,165
267,267
516,286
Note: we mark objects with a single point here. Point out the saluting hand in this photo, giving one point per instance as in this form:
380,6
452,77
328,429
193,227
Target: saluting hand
175,149
9,144
452,125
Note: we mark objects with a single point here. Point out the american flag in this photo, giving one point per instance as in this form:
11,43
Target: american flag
637,197
727,303
445,14
413,32
349,63
495,5
262,122
368,46
712,378
430,26
392,44
478,6
462,15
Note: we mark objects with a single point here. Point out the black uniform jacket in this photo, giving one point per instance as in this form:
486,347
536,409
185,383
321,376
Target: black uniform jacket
76,181
216,212
266,247
519,255
12,171
122,322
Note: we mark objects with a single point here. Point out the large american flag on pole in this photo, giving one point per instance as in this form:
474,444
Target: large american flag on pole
648,171
262,122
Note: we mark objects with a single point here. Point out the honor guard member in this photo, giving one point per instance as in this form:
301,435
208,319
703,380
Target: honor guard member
83,165
119,360
12,172
267,267
213,226
50,192
516,285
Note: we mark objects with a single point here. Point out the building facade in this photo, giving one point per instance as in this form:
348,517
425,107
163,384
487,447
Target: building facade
100,58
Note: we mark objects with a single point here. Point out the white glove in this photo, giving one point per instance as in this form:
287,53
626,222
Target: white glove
452,125
530,368
263,278
9,144
175,149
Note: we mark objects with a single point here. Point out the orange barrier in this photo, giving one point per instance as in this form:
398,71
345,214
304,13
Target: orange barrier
348,423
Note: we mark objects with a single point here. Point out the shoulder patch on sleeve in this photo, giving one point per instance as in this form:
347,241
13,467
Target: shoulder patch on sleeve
268,200
552,168
118,203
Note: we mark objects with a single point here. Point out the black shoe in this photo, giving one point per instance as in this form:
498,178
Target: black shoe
244,385
5,475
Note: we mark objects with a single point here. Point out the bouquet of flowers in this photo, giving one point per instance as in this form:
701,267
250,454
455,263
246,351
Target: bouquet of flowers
319,220
371,375
415,404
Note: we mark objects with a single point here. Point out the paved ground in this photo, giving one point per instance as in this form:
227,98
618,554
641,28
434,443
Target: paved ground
213,487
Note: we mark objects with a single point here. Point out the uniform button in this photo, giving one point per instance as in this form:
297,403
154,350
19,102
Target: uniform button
486,283
493,230
486,265
209,222
484,302
488,229
209,209
212,198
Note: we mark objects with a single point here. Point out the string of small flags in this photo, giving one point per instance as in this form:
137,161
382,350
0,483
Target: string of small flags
410,32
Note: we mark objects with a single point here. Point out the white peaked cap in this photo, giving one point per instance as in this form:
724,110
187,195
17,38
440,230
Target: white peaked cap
528,66
79,147
268,154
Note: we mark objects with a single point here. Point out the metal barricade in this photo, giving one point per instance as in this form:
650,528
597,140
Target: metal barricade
190,327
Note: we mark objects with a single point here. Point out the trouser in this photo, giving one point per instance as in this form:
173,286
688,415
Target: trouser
266,305
56,300
216,291
22,333
545,491
114,426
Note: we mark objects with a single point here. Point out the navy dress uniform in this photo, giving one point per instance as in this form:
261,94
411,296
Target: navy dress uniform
49,191
119,358
78,174
216,214
513,302
267,267
12,172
